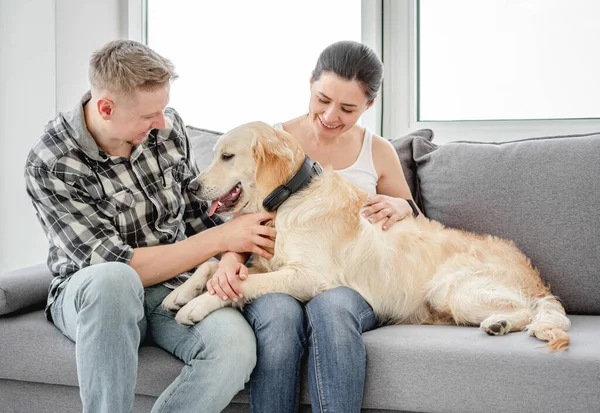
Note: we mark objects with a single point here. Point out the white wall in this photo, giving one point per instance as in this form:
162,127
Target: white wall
83,26
27,102
44,50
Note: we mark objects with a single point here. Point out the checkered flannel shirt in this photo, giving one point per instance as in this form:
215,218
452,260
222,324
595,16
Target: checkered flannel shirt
97,208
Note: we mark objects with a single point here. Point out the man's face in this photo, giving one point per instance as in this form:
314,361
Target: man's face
132,118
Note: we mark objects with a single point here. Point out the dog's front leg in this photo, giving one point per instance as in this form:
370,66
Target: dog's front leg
282,281
190,289
286,280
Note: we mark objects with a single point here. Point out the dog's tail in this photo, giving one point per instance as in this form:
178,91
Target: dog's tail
550,323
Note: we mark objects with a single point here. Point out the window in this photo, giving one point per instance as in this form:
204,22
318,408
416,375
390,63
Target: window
241,61
492,70
507,59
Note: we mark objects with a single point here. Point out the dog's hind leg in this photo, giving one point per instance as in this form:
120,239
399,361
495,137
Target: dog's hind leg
471,297
501,323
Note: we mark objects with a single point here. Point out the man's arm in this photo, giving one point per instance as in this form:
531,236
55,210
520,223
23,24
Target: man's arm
162,262
87,237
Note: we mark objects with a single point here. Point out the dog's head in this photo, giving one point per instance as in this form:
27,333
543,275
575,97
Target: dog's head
249,162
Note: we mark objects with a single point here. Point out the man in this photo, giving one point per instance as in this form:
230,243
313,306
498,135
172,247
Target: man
110,182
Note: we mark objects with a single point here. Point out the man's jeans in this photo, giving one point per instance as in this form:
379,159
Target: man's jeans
106,311
331,324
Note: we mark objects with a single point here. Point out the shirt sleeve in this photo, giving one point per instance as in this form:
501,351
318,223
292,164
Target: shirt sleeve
73,222
196,211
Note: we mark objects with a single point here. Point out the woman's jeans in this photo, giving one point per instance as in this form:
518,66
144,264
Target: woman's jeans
331,324
106,311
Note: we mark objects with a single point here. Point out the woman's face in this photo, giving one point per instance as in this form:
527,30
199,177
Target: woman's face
335,104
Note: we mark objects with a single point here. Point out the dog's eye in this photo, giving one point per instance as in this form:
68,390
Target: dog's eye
226,156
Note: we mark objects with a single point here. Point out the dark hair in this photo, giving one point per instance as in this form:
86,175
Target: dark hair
352,61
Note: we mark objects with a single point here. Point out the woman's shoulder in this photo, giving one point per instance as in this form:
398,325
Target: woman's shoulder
383,150
379,144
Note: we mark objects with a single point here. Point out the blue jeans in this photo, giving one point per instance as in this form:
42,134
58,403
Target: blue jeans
106,311
331,324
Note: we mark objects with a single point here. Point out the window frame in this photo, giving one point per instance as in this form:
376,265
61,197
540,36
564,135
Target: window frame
400,92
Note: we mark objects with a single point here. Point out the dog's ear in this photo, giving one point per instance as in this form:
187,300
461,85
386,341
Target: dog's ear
275,158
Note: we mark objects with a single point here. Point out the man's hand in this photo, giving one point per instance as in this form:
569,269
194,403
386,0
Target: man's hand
225,282
245,233
378,207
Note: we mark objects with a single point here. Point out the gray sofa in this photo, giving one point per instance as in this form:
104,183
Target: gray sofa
542,193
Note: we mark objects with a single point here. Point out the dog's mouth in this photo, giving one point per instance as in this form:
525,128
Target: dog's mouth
227,201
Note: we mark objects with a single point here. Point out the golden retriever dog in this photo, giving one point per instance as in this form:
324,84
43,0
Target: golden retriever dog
417,272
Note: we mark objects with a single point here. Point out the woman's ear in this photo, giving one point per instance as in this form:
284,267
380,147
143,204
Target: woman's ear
371,103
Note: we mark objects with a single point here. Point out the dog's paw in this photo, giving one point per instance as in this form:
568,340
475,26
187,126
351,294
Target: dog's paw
198,308
495,326
179,297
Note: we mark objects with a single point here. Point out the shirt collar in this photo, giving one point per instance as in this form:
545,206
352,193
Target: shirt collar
76,120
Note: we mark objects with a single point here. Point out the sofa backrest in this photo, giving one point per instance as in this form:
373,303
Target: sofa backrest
203,141
542,193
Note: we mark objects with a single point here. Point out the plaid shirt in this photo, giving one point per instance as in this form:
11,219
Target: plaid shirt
97,208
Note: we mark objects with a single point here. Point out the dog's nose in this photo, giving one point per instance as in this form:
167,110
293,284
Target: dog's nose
194,185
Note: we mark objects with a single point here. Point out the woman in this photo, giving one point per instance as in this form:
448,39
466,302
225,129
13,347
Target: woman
343,86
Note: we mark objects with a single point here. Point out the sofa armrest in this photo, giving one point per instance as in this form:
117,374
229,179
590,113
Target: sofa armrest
24,287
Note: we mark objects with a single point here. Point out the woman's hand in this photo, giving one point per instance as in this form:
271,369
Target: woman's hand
245,233
226,281
378,207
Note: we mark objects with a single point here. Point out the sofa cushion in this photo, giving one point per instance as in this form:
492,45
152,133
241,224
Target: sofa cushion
542,193
468,370
24,287
32,349
403,146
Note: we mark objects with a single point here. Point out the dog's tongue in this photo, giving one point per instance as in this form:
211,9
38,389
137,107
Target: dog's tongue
213,207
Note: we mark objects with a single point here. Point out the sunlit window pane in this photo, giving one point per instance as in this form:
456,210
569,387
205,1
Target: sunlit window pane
241,60
508,59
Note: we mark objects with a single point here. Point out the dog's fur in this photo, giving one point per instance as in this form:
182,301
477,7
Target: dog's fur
416,272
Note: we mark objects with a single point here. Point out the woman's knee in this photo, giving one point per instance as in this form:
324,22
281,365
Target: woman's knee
279,325
341,306
275,313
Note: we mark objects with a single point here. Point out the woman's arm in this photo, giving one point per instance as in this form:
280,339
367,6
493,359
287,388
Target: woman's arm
392,189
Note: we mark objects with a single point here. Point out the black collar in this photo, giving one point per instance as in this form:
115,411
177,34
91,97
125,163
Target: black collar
307,171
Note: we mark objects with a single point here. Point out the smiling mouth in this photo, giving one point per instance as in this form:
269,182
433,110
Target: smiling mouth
227,201
327,126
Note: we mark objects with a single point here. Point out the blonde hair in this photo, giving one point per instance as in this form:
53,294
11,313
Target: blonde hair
124,66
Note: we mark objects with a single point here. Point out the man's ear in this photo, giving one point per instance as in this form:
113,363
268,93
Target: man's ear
105,107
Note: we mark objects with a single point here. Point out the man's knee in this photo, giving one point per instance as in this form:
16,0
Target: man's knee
227,336
112,285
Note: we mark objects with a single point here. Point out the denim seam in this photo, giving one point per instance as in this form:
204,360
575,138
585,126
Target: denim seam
250,311
362,315
316,361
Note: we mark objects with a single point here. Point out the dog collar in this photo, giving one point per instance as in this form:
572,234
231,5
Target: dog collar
307,171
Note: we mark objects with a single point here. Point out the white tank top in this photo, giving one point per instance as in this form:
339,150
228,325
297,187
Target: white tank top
362,172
